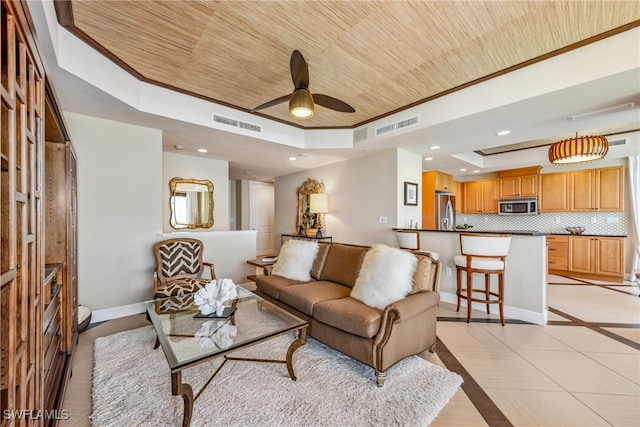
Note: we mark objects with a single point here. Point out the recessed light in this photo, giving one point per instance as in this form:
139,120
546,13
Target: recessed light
463,170
428,158
476,171
248,173
202,150
178,147
292,158
435,147
304,155
503,132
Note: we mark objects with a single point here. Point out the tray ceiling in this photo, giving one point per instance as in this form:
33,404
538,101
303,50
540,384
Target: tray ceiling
378,56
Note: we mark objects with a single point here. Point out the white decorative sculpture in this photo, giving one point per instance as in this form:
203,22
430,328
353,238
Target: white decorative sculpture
211,298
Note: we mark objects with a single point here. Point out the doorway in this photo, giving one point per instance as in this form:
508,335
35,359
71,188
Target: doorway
261,216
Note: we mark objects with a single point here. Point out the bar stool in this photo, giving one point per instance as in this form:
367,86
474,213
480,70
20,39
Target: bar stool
408,239
486,255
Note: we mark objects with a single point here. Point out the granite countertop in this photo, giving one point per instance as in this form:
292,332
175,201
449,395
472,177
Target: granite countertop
514,232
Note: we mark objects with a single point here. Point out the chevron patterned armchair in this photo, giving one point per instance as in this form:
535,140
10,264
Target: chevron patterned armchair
179,267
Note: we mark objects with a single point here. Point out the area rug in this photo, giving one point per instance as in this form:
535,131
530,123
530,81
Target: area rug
132,387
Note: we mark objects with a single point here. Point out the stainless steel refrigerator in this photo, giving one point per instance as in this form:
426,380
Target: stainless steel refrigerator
445,211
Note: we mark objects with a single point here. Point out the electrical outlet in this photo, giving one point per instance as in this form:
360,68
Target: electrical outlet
612,220
447,271
382,219
486,219
558,220
593,220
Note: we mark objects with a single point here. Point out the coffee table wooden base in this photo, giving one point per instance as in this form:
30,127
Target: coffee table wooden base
185,390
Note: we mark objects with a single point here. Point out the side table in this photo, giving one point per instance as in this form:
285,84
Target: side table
295,236
262,262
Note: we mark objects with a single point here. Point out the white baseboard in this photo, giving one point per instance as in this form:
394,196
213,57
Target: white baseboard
513,312
116,312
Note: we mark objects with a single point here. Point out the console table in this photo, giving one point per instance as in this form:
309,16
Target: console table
283,237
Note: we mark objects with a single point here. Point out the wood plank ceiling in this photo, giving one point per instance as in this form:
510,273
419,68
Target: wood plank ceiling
378,56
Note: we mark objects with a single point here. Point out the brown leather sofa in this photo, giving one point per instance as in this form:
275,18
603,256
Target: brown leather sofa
378,338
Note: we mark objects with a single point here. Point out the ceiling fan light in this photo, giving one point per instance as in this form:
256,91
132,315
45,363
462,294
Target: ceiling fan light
301,104
578,150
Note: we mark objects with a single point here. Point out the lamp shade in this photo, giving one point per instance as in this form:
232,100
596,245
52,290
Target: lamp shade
579,150
301,104
318,203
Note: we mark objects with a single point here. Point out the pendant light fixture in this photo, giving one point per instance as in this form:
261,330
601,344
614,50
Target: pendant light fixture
578,150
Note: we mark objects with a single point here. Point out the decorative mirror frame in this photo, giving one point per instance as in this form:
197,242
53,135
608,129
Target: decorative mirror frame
310,186
172,189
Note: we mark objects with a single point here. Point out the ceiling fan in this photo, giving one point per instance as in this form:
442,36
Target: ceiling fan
301,101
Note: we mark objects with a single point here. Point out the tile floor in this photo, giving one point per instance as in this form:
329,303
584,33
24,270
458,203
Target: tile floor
581,369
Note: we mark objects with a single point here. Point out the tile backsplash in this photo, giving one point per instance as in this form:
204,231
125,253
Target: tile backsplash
608,223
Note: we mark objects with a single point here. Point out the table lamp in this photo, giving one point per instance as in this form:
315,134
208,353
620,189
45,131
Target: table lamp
319,204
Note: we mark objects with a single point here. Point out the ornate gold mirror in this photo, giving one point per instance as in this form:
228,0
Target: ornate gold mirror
191,203
307,222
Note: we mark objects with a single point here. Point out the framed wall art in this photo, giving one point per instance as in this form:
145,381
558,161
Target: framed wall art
411,194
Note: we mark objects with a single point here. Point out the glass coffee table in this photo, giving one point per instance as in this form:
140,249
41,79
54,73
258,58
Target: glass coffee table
188,340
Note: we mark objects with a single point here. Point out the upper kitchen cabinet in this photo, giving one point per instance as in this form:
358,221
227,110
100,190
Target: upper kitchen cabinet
553,194
439,181
519,182
481,196
596,189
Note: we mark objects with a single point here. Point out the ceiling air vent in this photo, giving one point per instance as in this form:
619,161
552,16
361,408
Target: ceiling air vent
397,125
613,142
360,134
236,123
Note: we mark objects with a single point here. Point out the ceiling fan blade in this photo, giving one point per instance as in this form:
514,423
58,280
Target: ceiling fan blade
272,103
333,103
299,70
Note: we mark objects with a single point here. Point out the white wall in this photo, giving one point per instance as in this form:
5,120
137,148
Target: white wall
216,171
360,190
122,202
409,170
119,214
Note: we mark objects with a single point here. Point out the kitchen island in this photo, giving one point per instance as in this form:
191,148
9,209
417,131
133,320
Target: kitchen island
525,277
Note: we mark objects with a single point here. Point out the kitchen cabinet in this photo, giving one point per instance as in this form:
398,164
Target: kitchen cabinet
596,256
518,182
558,252
553,194
439,181
459,194
433,182
596,189
481,196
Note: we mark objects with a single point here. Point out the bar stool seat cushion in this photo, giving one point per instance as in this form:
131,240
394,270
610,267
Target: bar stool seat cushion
479,263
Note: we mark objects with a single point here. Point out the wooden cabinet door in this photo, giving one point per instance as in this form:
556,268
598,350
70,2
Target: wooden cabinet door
610,256
459,194
581,190
489,196
509,187
609,193
518,186
553,192
582,254
443,182
472,197
528,186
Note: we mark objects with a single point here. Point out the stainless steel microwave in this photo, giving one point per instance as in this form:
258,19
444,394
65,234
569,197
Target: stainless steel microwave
519,206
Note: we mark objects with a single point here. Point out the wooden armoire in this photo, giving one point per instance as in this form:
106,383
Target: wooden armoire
38,267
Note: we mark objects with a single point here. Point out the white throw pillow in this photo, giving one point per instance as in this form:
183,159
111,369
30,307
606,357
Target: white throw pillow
296,259
385,276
